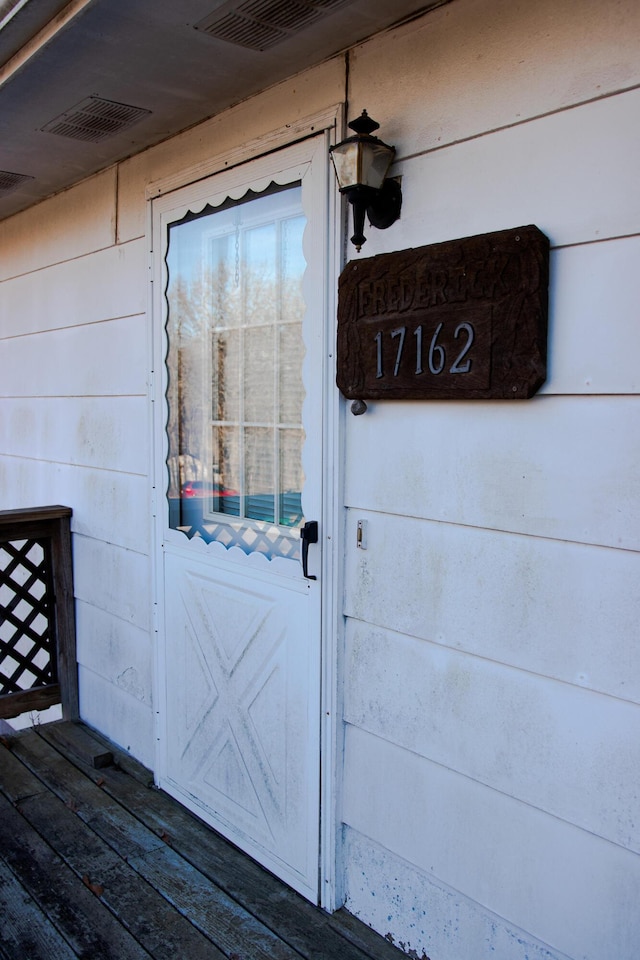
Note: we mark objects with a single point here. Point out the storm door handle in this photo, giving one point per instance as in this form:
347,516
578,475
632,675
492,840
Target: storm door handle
308,534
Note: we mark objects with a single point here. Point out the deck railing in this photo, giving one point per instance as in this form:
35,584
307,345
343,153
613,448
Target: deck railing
37,625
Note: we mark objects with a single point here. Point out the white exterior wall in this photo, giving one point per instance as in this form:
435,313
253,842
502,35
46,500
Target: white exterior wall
74,429
490,661
492,748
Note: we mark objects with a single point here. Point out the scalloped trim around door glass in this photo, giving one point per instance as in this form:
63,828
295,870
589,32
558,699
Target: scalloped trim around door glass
235,392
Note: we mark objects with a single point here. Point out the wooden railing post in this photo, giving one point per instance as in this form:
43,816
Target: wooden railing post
46,530
65,617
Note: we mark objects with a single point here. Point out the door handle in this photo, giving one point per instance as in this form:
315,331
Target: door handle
308,534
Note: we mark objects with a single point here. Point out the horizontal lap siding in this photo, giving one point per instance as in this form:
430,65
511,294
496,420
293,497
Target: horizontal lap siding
115,656
107,505
112,588
432,913
558,467
557,747
79,221
593,328
561,610
571,173
117,714
491,699
545,876
112,361
474,66
74,430
105,432
97,286
121,641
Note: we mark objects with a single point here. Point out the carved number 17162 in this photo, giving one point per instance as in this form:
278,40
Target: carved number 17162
436,355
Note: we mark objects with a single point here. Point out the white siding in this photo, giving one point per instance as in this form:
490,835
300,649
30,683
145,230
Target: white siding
491,695
74,430
593,287
104,432
117,670
117,713
545,606
97,286
107,504
559,467
114,353
473,66
431,912
571,173
533,870
79,221
552,745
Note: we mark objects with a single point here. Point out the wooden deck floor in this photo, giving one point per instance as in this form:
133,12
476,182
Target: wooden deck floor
96,863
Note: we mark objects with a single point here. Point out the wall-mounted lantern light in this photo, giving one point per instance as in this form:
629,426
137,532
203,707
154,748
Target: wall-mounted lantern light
361,163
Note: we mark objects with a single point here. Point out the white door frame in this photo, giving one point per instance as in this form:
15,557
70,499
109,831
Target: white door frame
330,125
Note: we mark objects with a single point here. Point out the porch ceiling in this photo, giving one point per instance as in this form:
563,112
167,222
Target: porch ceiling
147,54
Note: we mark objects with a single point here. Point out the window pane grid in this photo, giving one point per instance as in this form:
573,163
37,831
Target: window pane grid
251,382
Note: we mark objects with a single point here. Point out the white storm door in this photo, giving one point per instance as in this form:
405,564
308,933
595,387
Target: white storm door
239,293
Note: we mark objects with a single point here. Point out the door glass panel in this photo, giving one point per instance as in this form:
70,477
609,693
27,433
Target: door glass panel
235,393
259,364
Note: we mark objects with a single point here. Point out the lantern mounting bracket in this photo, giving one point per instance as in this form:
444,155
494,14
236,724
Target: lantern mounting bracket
384,209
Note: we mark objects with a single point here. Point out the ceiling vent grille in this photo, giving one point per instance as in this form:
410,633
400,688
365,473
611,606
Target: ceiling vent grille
95,119
261,24
11,181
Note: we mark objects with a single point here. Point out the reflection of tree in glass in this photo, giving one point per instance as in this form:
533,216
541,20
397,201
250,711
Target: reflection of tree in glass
234,360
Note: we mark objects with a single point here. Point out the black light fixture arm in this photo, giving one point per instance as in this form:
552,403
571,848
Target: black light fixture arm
361,199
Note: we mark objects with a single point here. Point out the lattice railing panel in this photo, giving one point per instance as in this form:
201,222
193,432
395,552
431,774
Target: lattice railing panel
38,665
27,631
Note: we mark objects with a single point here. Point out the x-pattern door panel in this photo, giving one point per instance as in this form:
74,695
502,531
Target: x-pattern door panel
239,713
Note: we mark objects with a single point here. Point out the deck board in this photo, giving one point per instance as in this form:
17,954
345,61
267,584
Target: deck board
313,933
25,929
62,899
97,861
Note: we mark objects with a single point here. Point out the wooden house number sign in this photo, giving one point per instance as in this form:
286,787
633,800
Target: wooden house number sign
462,320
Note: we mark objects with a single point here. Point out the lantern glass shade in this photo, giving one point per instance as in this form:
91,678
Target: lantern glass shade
361,162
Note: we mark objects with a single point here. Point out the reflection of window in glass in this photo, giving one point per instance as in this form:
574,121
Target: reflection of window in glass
235,353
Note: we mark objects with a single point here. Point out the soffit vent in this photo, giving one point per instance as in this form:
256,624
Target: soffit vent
95,119
261,24
11,181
